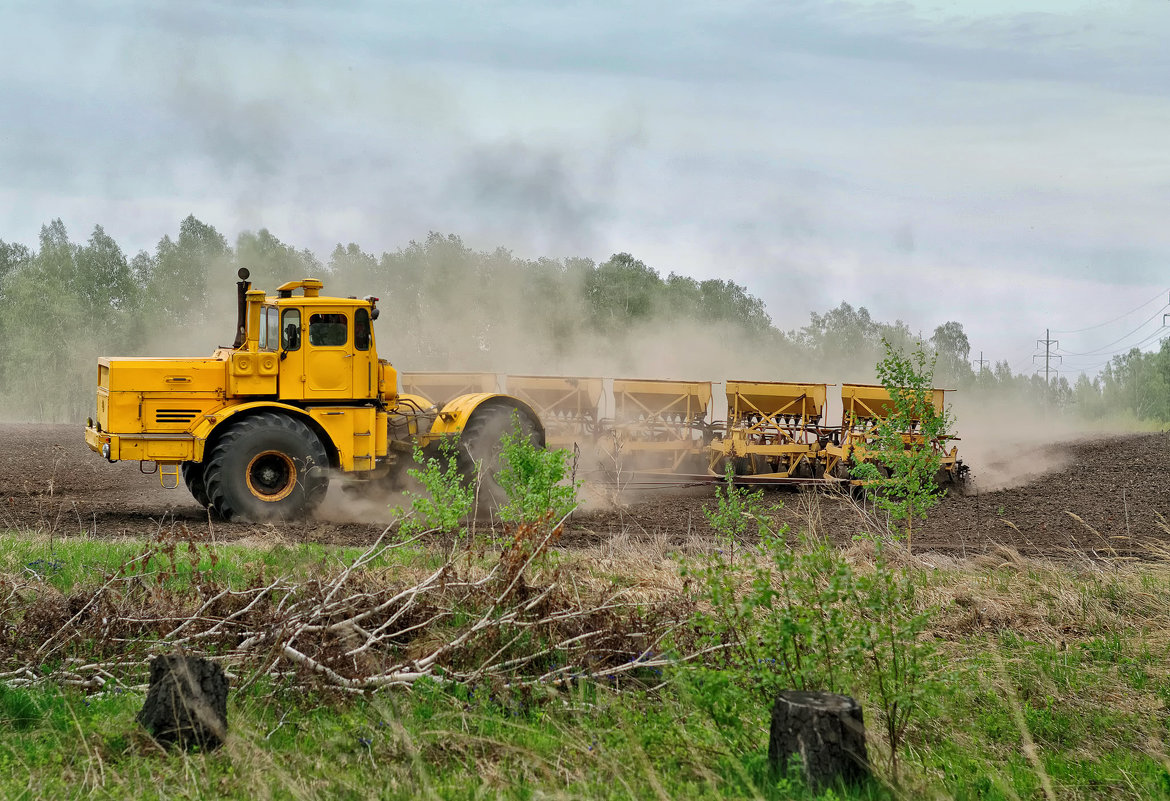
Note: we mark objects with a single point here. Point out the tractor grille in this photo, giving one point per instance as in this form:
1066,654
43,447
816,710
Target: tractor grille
173,416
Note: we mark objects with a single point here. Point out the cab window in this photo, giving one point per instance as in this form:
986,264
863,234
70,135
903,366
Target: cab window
269,329
290,330
328,330
361,329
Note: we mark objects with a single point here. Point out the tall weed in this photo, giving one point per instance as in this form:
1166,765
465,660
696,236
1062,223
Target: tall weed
781,617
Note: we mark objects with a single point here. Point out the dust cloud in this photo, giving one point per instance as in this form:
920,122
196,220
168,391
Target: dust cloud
1009,444
369,506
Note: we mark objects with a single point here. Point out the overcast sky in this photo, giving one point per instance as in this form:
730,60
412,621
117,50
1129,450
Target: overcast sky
1003,164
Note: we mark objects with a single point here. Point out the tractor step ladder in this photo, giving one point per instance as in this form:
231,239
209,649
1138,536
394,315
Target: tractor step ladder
168,475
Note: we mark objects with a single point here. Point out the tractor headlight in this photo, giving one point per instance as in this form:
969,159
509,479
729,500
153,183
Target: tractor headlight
106,450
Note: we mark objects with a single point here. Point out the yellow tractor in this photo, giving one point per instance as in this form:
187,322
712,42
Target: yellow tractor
257,430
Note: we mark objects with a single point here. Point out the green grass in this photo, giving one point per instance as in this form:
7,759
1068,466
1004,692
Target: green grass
286,743
1095,736
66,563
1074,661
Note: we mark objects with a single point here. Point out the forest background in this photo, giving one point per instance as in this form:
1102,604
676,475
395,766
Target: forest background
446,306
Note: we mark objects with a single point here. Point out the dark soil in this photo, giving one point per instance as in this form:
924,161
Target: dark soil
51,481
1118,487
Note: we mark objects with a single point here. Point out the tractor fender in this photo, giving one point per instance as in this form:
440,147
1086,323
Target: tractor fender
458,412
211,426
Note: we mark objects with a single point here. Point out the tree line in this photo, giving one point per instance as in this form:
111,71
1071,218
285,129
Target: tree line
447,306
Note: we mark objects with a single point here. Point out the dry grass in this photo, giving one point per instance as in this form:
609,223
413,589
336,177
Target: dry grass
359,624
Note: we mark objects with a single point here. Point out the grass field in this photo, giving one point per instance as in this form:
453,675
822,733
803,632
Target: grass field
1054,684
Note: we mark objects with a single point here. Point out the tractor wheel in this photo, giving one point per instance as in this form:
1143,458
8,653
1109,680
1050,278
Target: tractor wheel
480,451
267,467
193,478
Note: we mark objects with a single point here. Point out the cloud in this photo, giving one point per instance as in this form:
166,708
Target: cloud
815,151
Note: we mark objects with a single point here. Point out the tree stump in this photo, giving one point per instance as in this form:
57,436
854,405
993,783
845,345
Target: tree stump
187,702
826,730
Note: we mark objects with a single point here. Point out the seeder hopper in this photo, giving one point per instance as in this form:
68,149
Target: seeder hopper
567,406
663,432
439,388
772,429
863,406
658,427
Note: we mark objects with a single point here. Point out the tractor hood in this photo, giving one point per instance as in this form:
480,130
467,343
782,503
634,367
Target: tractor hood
138,393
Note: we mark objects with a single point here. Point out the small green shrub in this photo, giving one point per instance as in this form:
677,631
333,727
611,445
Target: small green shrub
908,488
736,511
777,618
535,481
888,646
445,500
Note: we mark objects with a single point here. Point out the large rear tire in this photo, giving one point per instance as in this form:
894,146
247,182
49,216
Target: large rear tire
193,478
480,457
267,467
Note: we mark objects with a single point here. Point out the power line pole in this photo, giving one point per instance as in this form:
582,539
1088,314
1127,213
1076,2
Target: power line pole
1047,342
981,362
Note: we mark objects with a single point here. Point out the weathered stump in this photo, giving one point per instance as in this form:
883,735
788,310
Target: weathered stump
826,730
187,702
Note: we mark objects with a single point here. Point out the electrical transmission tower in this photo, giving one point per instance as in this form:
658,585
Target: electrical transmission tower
1048,342
981,362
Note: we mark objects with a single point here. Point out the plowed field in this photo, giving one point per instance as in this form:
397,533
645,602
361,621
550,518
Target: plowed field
1104,496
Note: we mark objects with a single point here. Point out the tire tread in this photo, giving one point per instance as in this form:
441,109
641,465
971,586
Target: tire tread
226,445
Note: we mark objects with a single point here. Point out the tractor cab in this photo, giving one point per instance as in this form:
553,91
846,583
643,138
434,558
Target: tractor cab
300,346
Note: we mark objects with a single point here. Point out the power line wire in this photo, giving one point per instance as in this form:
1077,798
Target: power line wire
1022,364
1085,368
1101,350
1027,357
1089,367
1156,335
1151,338
1115,319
